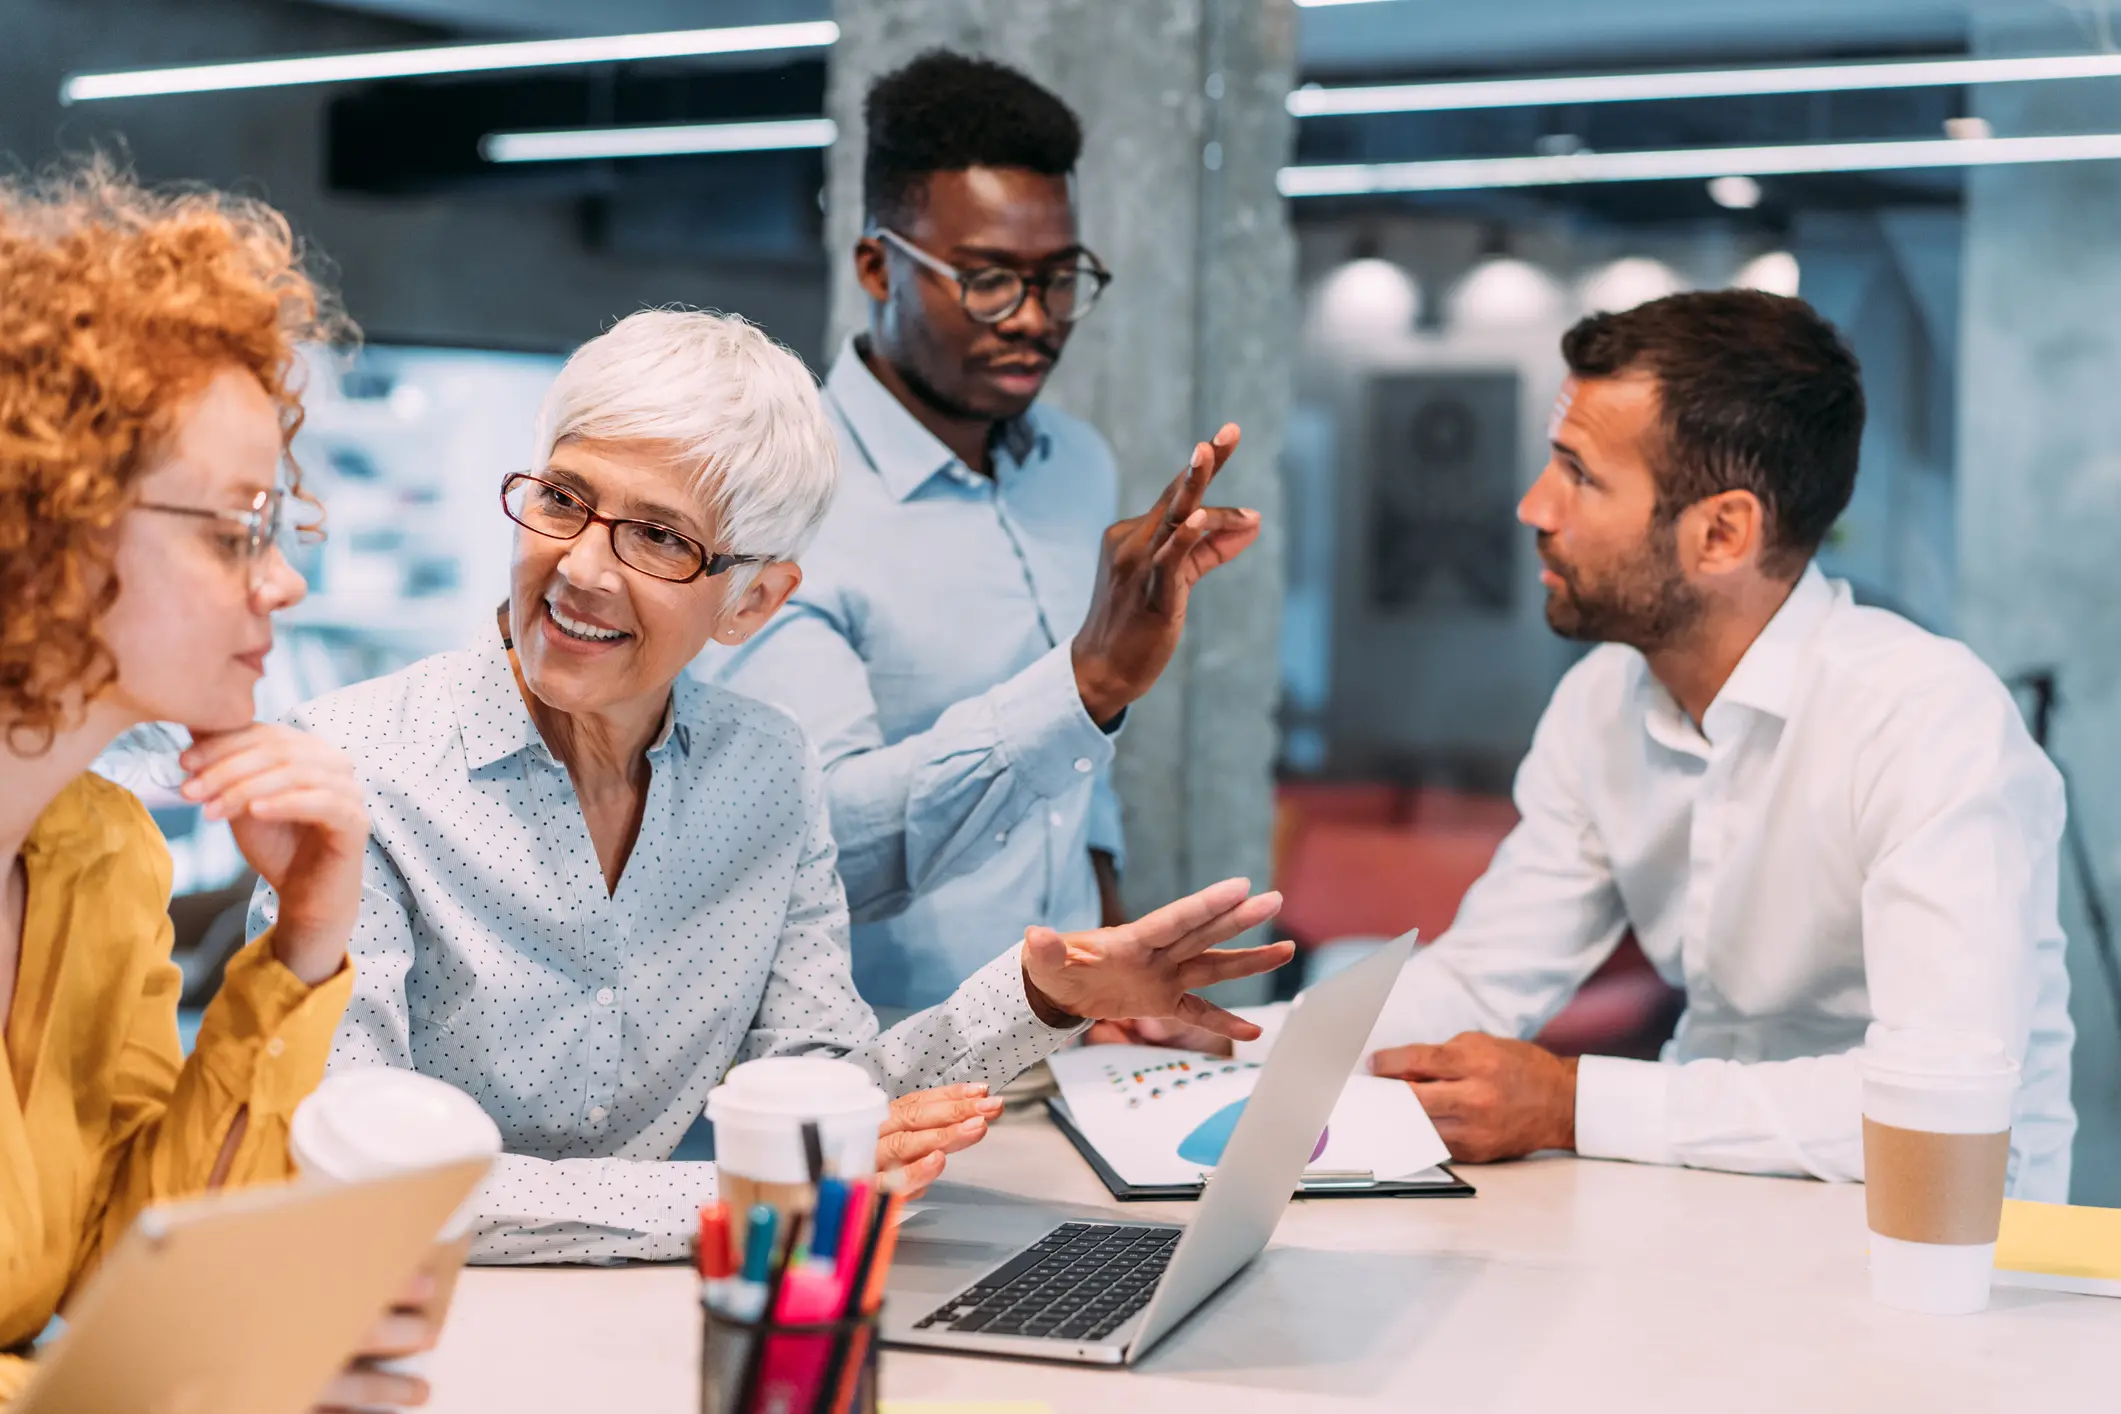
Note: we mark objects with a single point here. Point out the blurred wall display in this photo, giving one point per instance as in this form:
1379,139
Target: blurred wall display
1443,488
1415,643
405,448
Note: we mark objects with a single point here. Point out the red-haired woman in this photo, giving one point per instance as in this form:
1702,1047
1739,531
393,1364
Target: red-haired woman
146,343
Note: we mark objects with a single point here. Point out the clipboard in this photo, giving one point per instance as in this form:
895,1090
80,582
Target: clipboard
1315,1185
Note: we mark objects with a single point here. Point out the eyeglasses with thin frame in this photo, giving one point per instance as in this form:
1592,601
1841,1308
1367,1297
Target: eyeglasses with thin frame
656,550
992,293
267,524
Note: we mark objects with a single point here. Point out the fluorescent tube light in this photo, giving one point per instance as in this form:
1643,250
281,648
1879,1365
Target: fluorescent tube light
1472,174
448,59
1313,102
579,144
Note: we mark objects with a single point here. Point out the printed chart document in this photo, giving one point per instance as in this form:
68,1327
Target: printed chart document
1161,1116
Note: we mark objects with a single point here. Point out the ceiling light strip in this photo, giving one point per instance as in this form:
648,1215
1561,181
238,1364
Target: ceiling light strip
586,144
1475,174
448,59
1708,83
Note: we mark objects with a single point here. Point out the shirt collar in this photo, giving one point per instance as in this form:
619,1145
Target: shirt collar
905,454
496,722
1765,679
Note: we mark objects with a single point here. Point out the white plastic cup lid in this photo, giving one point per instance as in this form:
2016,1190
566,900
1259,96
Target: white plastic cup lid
796,1087
1937,1060
759,1108
377,1121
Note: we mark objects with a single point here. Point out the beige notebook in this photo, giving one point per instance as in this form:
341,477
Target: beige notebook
245,1302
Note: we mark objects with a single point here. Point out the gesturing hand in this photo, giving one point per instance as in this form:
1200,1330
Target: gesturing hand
296,810
1145,574
1488,1097
1150,967
924,1128
1158,1031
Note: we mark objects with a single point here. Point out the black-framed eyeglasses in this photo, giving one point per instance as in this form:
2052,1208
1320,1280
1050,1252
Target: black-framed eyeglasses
554,511
992,293
266,524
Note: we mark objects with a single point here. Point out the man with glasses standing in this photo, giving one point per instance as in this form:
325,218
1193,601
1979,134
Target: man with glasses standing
971,625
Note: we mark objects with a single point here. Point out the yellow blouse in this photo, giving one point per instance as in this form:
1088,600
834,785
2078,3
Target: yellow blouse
100,1113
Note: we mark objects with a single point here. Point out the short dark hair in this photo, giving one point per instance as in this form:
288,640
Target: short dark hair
945,112
1758,394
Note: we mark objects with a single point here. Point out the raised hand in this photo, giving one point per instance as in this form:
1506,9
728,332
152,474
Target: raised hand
1145,575
1157,1031
924,1128
298,817
1150,967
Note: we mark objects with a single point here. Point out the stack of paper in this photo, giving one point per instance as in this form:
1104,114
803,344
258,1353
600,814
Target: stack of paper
1162,1116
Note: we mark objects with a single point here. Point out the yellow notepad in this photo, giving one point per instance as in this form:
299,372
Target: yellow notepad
2060,1248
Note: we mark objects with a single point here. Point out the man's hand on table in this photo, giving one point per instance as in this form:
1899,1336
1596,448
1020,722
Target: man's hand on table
1150,967
1145,575
926,1127
1489,1098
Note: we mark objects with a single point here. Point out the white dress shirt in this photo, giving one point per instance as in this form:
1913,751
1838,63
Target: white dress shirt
1862,835
590,1023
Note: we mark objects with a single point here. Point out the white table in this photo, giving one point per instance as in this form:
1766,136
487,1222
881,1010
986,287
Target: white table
1567,1285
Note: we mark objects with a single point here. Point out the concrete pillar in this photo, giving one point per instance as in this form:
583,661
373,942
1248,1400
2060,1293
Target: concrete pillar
2040,492
1182,103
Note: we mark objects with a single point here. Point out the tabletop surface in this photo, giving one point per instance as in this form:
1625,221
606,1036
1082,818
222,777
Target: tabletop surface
1566,1285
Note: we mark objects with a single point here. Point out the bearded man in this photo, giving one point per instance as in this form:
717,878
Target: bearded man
1821,821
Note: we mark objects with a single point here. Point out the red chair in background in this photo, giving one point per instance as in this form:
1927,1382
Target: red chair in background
1371,860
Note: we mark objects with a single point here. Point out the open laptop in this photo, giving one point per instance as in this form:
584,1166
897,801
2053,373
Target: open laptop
245,1302
1052,1286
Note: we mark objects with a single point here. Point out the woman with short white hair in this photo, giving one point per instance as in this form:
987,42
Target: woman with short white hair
594,883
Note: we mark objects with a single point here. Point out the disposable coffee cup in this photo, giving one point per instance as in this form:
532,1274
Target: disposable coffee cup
379,1121
1936,1150
758,1113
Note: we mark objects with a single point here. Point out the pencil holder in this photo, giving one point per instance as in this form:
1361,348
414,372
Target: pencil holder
767,1367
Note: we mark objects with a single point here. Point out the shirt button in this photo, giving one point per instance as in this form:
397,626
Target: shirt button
1001,837
604,995
1054,819
1082,763
275,1046
596,1114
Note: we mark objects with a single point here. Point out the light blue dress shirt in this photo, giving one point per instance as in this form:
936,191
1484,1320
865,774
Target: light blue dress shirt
927,657
591,1024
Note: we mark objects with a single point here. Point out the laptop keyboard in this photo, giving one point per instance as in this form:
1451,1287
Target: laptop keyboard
1080,1281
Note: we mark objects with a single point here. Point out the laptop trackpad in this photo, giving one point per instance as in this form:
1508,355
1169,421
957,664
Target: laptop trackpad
946,1244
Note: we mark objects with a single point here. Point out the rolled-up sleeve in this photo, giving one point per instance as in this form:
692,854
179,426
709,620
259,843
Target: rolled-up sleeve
261,1048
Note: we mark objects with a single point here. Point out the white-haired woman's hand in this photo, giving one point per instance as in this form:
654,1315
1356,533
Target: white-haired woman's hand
298,817
1152,966
927,1126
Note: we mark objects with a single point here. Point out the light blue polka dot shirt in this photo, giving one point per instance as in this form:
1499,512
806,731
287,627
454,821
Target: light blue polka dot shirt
591,1025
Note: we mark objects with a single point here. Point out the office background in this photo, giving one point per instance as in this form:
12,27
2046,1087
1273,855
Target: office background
1391,353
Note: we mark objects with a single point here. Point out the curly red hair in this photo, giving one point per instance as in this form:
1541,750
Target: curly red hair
118,305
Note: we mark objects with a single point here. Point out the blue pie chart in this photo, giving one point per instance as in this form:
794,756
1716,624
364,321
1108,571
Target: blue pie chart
1205,1145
